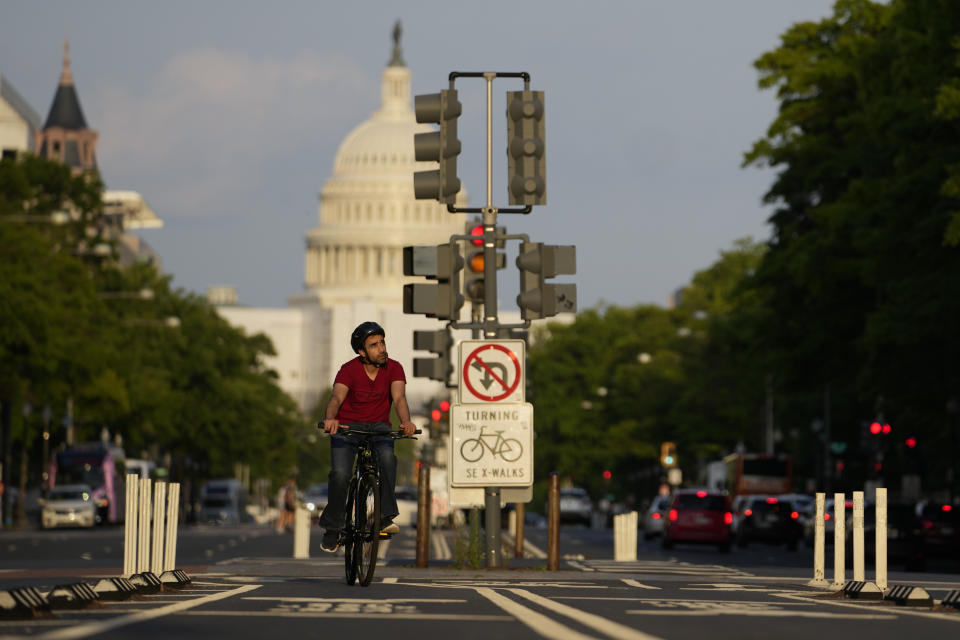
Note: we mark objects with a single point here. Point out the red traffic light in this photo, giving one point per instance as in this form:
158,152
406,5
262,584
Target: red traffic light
444,406
886,428
911,442
436,415
876,428
477,231
607,474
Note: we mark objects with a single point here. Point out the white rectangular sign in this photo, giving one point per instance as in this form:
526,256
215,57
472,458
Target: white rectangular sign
491,371
491,446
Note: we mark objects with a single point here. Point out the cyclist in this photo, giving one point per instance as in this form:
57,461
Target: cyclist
363,391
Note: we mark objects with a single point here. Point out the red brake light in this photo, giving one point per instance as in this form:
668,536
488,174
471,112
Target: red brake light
655,515
748,512
701,494
794,515
728,518
946,507
673,515
927,524
826,516
771,501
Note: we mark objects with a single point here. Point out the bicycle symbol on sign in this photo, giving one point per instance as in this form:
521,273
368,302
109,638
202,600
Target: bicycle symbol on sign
473,449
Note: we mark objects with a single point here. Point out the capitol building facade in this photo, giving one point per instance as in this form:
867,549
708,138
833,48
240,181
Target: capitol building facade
353,265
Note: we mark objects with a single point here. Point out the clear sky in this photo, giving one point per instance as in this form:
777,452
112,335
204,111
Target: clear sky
226,115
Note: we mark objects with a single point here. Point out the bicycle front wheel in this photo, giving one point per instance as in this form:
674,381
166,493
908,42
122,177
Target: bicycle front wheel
368,529
511,450
348,535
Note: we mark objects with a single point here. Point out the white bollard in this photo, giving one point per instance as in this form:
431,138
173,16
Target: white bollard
839,539
819,541
143,527
512,523
858,560
301,533
159,513
625,537
173,513
881,539
130,527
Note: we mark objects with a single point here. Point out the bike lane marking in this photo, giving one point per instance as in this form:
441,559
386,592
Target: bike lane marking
100,626
537,622
599,623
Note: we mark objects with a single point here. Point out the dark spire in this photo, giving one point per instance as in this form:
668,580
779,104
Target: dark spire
65,111
397,59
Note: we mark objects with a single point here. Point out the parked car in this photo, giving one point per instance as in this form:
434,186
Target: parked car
769,519
653,517
315,499
698,516
575,506
68,505
407,506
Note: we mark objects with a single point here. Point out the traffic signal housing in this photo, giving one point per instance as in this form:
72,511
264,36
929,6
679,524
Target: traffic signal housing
442,263
526,160
668,455
443,146
437,342
538,298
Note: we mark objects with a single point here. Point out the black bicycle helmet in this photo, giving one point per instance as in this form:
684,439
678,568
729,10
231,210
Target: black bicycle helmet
363,331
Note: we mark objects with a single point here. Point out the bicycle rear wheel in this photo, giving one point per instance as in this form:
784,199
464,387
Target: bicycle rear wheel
349,529
368,529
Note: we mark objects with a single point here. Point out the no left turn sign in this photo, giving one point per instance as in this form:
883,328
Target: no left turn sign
491,371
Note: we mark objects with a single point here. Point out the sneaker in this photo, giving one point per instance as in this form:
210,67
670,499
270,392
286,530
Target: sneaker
330,541
390,529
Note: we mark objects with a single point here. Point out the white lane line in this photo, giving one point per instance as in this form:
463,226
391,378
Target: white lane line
952,617
577,565
83,630
389,581
537,622
638,585
601,624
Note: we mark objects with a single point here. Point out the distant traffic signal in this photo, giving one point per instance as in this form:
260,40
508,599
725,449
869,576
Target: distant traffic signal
443,147
668,455
526,157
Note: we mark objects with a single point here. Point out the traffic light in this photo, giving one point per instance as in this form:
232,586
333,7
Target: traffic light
668,455
441,146
474,266
537,262
442,263
526,160
438,342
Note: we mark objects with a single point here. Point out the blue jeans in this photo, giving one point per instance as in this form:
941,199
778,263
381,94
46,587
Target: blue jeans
343,452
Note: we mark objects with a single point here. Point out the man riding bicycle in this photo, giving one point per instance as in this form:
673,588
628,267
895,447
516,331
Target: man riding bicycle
363,392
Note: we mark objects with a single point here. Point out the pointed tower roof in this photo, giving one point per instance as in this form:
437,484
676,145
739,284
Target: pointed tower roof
65,112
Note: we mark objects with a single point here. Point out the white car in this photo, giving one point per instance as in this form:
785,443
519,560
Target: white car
575,506
68,505
315,499
407,506
653,517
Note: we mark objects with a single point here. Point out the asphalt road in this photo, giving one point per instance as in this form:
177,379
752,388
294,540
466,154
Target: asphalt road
247,585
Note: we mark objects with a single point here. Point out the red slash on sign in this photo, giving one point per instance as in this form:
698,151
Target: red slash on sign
497,382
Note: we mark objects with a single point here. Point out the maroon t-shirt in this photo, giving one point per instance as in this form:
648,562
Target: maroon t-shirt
367,400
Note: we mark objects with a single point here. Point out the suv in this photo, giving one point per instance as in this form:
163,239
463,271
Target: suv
769,519
698,516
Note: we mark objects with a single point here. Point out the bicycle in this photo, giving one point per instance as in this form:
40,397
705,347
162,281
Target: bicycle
509,449
361,530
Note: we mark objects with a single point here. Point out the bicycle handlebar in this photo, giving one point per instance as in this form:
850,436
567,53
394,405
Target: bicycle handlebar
363,432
